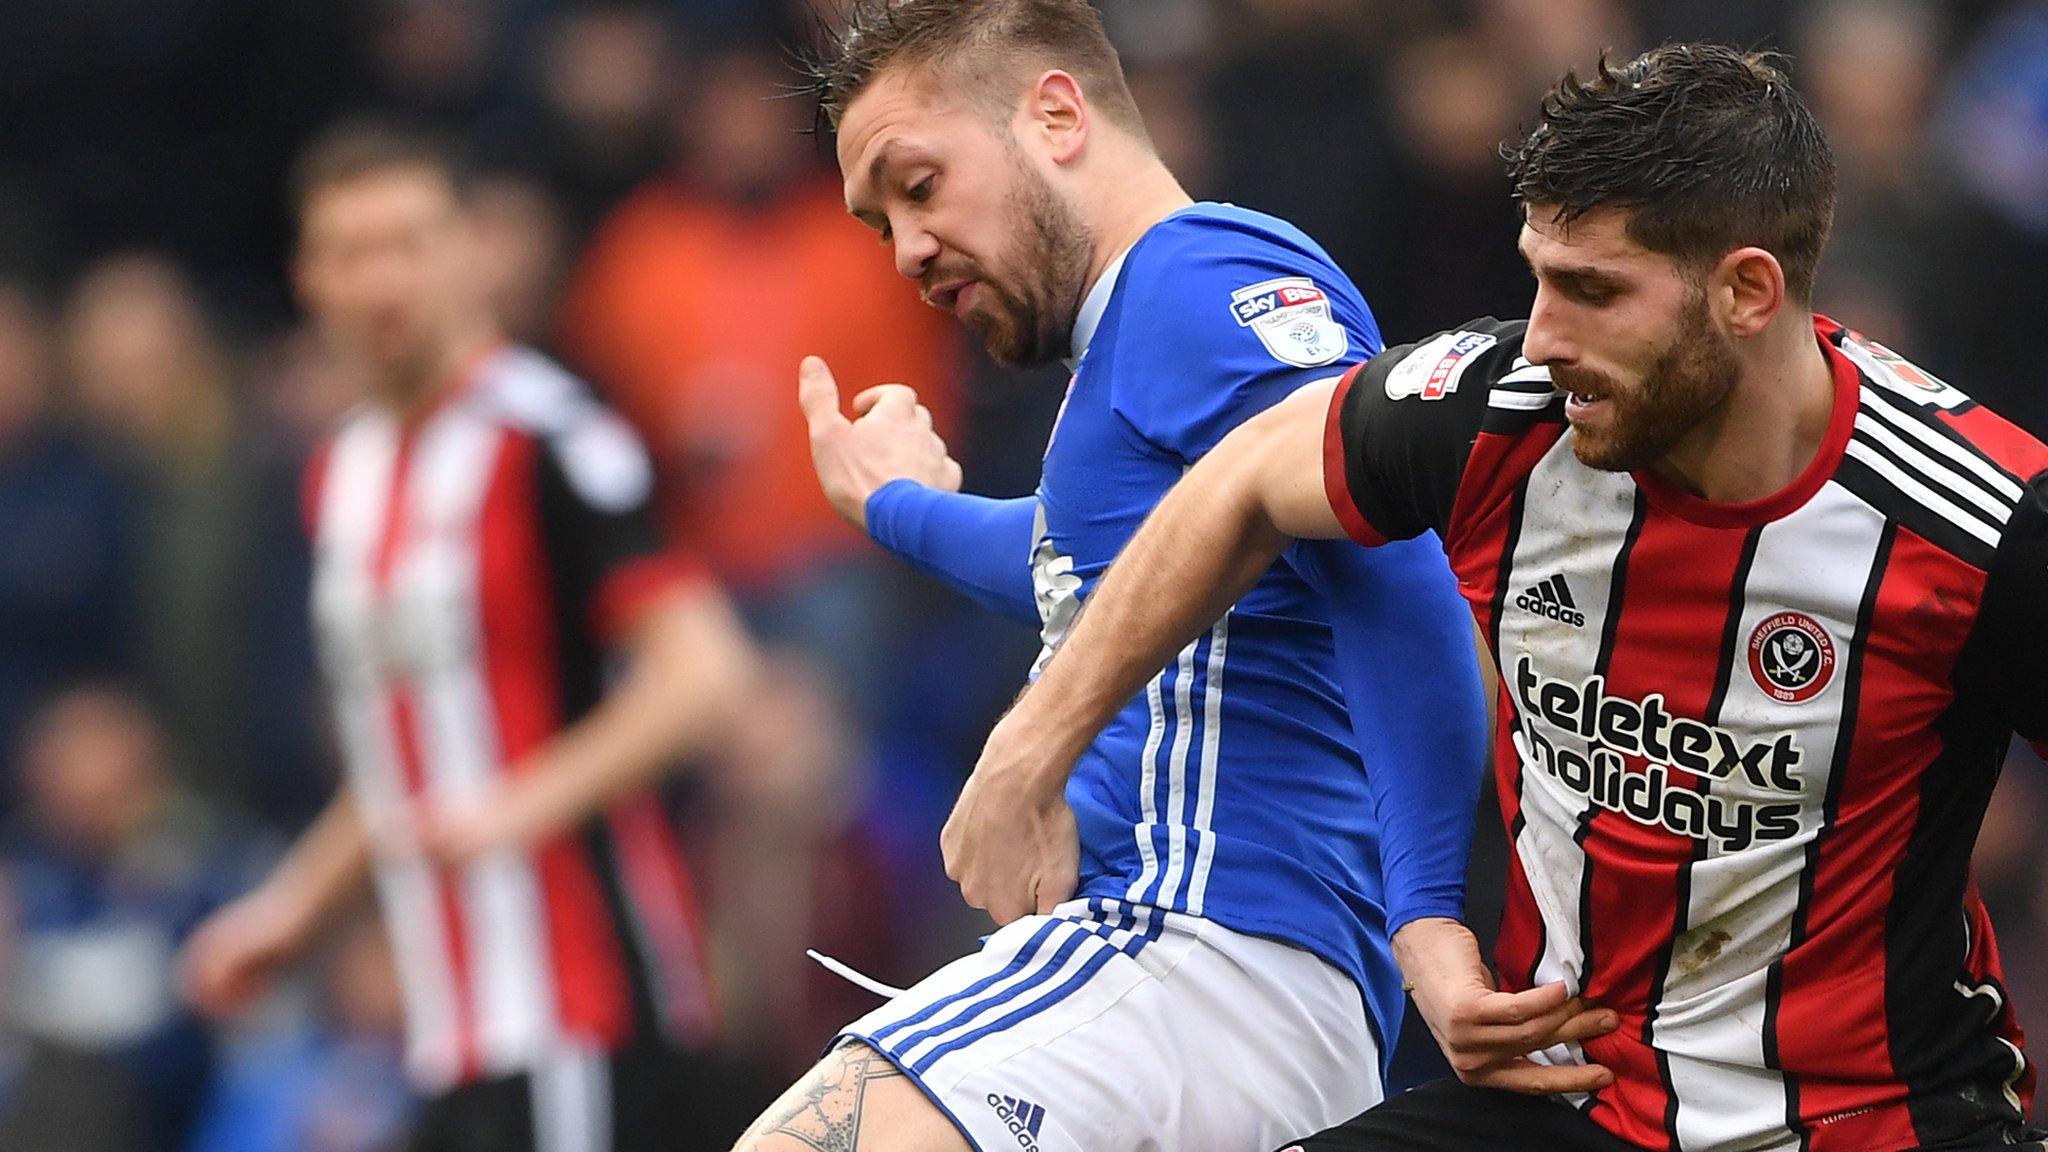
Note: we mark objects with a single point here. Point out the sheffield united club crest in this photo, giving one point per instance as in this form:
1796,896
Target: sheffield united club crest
1792,657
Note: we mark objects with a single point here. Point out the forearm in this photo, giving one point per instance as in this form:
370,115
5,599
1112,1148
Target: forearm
687,674
324,872
980,548
1205,545
1439,952
1423,738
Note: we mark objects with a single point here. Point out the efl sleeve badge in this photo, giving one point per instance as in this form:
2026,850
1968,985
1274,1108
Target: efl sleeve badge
1291,317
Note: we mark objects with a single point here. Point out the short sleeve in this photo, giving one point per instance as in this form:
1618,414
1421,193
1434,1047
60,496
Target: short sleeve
2004,656
1402,425
1214,324
604,541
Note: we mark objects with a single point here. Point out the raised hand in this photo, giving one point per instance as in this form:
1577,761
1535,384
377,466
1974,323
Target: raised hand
890,438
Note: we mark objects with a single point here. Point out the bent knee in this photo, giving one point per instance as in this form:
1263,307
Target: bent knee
856,1100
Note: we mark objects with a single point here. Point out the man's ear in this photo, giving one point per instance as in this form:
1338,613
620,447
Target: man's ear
1057,113
1748,289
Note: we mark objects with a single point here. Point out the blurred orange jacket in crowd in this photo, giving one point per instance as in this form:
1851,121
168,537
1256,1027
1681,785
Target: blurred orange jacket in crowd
692,313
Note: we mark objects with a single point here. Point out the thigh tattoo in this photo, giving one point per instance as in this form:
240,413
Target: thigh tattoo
823,1109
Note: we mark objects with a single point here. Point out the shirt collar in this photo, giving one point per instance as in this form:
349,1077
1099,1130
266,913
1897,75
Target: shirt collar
1092,307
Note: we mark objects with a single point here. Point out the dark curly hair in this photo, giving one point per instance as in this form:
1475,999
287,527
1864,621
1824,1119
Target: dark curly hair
979,45
1709,147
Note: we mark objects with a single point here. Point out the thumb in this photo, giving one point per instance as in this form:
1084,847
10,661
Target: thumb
899,395
818,394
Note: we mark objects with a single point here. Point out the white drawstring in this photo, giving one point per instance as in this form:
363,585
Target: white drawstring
847,973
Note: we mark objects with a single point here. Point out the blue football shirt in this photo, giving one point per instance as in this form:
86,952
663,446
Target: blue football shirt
1231,787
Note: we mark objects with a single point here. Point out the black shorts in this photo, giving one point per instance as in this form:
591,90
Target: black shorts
641,1100
1447,1116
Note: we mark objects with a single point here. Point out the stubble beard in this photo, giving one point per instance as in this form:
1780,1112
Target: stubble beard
1030,323
1694,375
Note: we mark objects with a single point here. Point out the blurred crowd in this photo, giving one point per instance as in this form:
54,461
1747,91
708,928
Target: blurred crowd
658,216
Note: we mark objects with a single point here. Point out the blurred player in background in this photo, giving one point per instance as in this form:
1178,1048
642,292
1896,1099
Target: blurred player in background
1768,603
1194,946
484,550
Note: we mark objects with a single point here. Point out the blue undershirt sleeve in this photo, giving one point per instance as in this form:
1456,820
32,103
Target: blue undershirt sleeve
978,547
1410,673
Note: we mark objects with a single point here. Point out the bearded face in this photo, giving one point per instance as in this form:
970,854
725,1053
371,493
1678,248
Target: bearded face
1621,425
1023,304
971,209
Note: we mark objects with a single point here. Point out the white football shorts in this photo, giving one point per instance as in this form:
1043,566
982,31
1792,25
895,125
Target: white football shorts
1107,1027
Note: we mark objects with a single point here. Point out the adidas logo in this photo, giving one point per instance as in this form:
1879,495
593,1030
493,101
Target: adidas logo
1021,1117
1552,599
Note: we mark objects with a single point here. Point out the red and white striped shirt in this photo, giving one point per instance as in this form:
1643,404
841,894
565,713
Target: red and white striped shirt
1744,749
471,567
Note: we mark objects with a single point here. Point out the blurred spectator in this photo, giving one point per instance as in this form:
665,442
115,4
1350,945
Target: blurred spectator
696,301
1534,41
605,76
1993,129
441,62
1170,93
1155,32
168,123
730,17
108,867
1867,66
151,376
65,533
1297,128
1998,117
1450,225
1749,23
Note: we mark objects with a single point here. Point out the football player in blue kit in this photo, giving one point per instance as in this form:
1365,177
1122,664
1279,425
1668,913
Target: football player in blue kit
1194,945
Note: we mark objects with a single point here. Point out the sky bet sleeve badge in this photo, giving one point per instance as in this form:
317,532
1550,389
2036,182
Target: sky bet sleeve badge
1432,370
1292,319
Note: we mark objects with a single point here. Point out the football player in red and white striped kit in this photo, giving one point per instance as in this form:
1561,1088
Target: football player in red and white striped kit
1767,603
484,553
